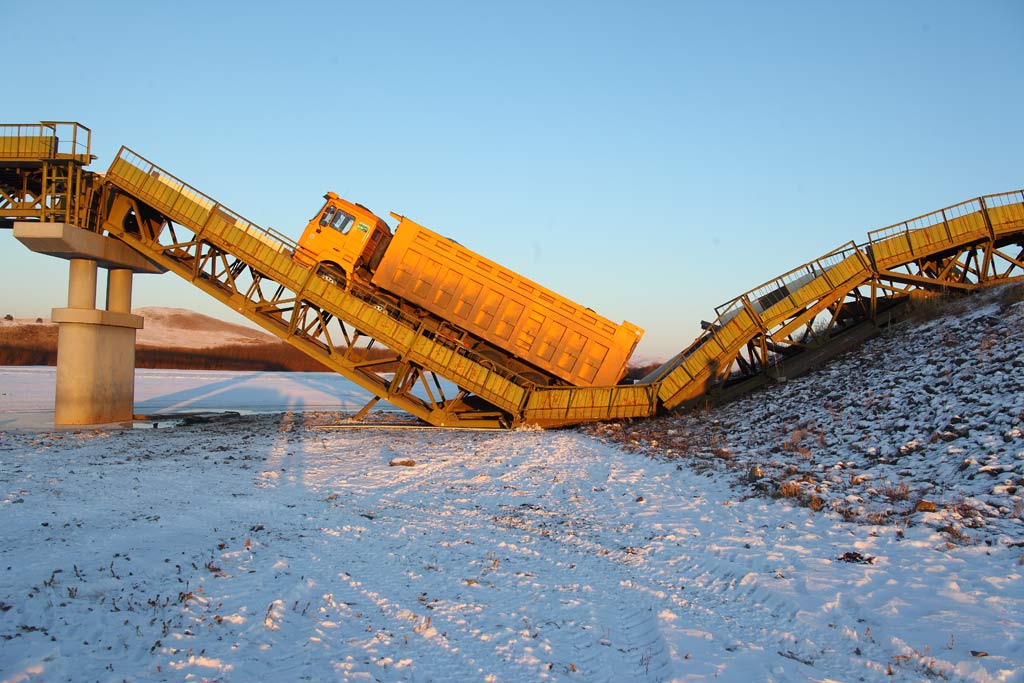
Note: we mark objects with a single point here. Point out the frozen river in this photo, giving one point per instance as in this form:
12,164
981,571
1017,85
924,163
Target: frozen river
26,393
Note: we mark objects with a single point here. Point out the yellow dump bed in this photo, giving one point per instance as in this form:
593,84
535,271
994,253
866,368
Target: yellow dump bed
504,308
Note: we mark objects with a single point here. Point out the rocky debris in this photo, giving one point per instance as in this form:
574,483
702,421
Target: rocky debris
922,425
856,558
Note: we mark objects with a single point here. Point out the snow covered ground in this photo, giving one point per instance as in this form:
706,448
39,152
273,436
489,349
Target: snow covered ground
267,547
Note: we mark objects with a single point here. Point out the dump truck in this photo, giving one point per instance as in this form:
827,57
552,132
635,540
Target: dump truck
347,241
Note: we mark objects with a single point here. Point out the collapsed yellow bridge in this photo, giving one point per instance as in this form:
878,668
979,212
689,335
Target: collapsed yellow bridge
422,362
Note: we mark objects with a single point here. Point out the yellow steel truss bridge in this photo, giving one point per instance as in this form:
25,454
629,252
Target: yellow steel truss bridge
779,328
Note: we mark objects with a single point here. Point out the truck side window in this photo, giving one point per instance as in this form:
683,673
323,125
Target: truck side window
342,222
328,214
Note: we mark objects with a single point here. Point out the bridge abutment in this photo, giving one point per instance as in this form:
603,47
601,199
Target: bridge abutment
95,347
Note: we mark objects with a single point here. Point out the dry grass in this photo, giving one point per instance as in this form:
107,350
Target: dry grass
925,308
789,489
37,345
1011,294
894,492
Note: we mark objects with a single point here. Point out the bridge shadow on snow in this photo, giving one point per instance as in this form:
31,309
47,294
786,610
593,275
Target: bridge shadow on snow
249,392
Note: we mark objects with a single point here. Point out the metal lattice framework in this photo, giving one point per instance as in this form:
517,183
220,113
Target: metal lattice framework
838,300
42,174
353,331
441,374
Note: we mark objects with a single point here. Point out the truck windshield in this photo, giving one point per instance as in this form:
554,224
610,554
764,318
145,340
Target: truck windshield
342,222
328,214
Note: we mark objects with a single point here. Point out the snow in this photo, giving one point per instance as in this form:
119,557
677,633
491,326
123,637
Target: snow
273,546
175,328
922,424
26,393
181,328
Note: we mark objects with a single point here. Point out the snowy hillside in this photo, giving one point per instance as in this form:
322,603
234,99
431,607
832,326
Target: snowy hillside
785,537
921,425
182,328
163,327
171,338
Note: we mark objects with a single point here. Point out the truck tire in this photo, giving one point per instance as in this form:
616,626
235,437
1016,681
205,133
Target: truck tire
333,273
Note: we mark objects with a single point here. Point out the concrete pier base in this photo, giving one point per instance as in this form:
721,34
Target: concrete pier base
95,347
95,366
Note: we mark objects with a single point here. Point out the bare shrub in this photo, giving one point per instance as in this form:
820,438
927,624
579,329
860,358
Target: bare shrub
879,517
924,307
789,489
956,535
1011,294
960,507
793,442
894,492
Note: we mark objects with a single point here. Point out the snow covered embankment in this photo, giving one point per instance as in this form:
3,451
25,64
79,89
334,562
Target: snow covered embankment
922,425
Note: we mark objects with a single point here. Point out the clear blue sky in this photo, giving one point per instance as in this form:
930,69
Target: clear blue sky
648,159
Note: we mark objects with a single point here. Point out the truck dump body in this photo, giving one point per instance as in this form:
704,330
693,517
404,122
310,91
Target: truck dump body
511,312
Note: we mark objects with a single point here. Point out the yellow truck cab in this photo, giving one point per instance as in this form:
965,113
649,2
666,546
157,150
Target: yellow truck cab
344,240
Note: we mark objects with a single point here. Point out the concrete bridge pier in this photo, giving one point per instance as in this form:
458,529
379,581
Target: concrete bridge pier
95,347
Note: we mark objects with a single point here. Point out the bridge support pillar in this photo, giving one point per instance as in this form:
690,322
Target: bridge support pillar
95,347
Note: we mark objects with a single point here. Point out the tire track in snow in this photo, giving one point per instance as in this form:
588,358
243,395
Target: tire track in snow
730,580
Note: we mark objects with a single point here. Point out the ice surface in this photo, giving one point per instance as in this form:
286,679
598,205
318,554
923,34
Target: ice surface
26,393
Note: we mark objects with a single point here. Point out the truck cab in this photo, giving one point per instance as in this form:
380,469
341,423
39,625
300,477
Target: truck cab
343,240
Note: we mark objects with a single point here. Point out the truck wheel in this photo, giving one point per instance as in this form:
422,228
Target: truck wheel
333,273
536,378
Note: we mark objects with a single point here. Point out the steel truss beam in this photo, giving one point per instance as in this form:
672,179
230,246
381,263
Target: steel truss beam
960,248
295,318
442,374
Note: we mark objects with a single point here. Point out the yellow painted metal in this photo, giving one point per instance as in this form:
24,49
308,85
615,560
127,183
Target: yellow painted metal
925,235
573,405
220,240
17,147
529,321
789,302
1005,213
48,140
44,178
272,254
473,293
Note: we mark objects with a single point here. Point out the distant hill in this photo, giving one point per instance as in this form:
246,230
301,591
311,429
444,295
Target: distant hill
176,338
181,328
173,338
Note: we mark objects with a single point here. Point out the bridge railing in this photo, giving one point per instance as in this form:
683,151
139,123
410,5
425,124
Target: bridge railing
825,274
27,141
925,235
177,199
45,140
1005,211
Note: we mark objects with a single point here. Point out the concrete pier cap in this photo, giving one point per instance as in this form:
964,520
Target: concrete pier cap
95,347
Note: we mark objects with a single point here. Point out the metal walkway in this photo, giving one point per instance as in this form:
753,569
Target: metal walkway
416,361
821,303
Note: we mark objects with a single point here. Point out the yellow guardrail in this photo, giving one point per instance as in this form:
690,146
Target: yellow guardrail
48,140
271,252
774,307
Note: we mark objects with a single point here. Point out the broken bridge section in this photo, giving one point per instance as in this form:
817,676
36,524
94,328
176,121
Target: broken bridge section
419,361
